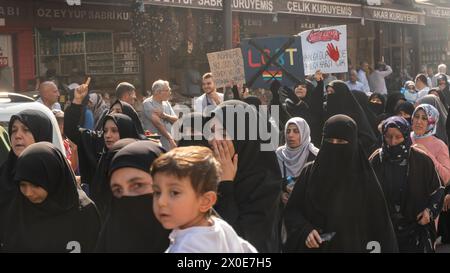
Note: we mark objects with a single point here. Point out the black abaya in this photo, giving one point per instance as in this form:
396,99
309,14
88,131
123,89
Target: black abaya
339,193
65,221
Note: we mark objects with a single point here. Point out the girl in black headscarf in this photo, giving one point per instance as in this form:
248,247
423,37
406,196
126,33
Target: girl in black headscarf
122,107
93,144
337,204
131,225
51,214
249,203
341,101
25,128
411,186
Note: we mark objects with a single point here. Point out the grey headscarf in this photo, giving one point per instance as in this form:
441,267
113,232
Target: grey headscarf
295,159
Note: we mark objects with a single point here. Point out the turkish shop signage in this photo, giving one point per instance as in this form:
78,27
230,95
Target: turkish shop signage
259,6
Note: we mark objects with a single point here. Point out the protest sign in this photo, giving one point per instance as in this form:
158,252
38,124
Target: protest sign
266,59
325,49
227,66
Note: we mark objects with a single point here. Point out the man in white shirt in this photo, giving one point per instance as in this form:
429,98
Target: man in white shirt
377,80
159,115
49,95
421,85
353,84
210,98
362,76
442,69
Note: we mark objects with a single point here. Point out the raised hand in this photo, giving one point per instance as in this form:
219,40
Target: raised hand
333,52
81,92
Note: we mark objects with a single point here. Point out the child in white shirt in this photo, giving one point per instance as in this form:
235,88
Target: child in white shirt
185,190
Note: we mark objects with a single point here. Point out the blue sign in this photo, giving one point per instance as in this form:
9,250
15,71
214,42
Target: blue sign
278,58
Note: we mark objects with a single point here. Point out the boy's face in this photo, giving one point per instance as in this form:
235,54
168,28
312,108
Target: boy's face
175,203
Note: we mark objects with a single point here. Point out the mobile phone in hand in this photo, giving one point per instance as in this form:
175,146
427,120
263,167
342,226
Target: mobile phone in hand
326,237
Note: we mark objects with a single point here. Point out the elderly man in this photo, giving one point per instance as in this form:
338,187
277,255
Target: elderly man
49,95
159,115
442,70
353,84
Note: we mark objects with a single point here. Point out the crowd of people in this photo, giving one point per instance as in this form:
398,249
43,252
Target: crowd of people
353,169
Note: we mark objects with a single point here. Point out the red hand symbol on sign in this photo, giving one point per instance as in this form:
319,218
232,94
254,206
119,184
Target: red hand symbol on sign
333,52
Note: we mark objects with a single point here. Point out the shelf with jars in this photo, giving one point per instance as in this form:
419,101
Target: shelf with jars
94,53
435,44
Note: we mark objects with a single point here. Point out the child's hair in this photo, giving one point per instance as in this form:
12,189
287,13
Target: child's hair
193,162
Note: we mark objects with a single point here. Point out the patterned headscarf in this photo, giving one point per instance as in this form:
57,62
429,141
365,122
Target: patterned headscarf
399,151
433,118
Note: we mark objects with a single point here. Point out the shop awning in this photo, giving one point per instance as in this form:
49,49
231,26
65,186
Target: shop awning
394,15
435,9
386,13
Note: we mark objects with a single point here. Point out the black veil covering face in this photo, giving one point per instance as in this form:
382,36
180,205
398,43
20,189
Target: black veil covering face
65,217
100,191
343,102
250,203
339,193
377,108
131,225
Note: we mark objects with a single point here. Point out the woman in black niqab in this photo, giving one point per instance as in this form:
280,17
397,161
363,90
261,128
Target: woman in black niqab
343,102
339,193
131,225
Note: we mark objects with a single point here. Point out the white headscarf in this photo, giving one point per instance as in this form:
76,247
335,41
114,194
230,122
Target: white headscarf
295,159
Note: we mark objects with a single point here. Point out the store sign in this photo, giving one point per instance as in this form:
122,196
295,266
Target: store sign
15,13
9,11
266,59
394,16
259,6
49,14
82,14
438,12
320,8
325,49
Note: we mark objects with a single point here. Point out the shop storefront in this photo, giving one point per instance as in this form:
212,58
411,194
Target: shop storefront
397,40
92,40
16,46
435,44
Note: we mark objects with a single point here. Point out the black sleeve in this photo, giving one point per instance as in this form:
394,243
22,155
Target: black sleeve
226,205
297,227
236,93
436,202
72,118
274,87
316,106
